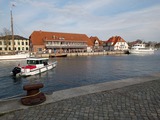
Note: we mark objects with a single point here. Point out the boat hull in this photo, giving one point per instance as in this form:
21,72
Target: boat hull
37,70
58,55
14,57
141,51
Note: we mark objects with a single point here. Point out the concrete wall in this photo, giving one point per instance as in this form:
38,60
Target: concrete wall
46,55
96,53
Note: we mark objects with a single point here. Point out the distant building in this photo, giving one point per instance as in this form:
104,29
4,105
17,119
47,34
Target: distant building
21,44
97,44
116,43
42,41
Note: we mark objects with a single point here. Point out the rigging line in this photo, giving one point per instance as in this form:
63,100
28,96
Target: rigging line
7,28
3,33
19,30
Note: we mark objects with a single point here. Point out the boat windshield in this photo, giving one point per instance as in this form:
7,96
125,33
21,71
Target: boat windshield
33,62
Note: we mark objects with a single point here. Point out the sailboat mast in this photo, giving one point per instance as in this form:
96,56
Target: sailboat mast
12,32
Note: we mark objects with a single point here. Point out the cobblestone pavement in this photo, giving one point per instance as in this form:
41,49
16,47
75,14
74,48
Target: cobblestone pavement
136,102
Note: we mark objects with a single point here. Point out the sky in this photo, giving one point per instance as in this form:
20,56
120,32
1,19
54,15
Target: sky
130,19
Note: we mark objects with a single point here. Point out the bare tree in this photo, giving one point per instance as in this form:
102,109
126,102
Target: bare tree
6,33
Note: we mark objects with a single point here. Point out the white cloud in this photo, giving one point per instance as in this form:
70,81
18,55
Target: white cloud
84,17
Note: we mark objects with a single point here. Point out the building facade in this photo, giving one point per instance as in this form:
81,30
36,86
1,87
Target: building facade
21,44
97,44
116,43
55,42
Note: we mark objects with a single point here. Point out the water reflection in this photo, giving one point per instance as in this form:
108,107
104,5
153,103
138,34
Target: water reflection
37,78
16,80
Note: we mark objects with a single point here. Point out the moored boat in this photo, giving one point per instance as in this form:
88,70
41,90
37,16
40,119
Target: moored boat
140,48
34,66
58,55
14,57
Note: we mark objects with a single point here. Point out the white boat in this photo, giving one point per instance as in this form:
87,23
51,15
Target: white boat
14,57
34,66
140,48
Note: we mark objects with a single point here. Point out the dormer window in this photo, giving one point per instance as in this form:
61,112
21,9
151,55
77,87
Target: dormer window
54,37
96,43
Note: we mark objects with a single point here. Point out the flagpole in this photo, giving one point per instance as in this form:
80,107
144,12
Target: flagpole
12,32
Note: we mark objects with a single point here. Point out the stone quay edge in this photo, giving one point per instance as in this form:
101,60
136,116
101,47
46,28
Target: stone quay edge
9,105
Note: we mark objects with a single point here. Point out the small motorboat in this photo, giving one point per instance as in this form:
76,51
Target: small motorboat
34,66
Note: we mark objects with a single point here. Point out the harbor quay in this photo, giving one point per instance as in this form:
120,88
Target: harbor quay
135,98
83,53
95,53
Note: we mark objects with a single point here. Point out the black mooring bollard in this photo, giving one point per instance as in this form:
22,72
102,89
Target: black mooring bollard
34,96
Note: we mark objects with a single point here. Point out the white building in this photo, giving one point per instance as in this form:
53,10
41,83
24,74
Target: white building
21,44
97,44
116,43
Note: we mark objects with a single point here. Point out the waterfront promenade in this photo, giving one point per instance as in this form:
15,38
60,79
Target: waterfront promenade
129,99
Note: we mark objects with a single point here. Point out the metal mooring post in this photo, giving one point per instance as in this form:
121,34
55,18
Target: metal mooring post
34,96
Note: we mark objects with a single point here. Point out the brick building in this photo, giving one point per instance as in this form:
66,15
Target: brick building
42,41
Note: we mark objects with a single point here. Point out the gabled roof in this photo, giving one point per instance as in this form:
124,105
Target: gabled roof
38,37
93,39
115,39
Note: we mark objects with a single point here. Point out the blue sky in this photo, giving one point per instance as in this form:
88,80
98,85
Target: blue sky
130,19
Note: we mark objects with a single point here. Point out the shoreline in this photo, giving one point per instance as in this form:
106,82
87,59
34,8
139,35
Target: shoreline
83,53
96,53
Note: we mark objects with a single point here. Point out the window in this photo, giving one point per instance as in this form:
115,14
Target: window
22,43
49,43
26,48
0,42
31,61
0,48
19,48
26,43
39,49
18,43
37,62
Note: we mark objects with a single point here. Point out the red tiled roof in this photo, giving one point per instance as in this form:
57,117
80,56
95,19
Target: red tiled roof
93,39
115,39
38,37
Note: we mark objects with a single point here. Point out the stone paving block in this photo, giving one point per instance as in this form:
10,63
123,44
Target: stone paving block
140,101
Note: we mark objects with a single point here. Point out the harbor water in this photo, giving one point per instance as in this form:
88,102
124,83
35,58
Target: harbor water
79,71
